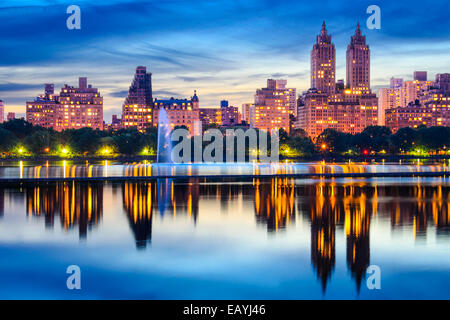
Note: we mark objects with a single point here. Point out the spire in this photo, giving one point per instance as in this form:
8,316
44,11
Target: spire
358,30
195,98
324,29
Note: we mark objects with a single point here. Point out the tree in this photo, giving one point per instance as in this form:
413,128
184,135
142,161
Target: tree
334,141
128,141
7,140
403,140
39,141
19,127
377,138
84,140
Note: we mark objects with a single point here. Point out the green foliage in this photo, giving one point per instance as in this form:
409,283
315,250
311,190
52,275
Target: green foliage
19,127
129,141
40,140
7,140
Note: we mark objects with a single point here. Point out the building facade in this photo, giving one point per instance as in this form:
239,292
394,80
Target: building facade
230,115
73,108
180,112
271,108
137,110
349,108
210,116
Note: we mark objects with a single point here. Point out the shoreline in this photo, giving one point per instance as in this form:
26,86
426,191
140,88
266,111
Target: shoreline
327,157
212,178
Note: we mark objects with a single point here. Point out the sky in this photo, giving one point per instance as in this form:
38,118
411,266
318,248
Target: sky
224,49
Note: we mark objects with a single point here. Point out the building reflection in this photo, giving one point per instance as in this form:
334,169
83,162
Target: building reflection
76,204
165,196
274,203
331,208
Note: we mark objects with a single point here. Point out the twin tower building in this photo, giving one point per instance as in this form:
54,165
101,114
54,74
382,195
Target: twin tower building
348,107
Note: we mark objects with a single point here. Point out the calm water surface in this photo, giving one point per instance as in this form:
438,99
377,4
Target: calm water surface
253,239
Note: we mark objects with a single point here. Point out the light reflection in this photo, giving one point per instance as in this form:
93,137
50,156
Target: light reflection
329,206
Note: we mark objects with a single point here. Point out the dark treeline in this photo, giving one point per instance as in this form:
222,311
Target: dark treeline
20,138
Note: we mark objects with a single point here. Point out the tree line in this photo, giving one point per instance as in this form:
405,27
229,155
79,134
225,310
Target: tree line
18,137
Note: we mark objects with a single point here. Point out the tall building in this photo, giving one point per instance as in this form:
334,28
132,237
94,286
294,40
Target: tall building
73,108
2,111
230,115
358,63
137,110
323,63
271,108
443,82
327,104
180,112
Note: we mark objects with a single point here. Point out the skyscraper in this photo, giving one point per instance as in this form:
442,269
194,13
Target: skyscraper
330,105
358,63
323,63
138,105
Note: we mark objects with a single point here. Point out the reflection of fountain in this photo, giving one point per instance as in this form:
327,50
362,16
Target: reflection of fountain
164,187
164,144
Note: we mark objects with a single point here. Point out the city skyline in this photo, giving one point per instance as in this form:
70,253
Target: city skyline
203,56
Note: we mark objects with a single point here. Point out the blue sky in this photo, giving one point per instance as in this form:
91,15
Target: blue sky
223,49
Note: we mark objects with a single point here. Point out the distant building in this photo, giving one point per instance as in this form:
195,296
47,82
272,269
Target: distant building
271,108
402,93
420,76
2,111
246,111
327,104
210,116
73,108
137,110
230,115
396,83
11,116
180,112
431,106
116,123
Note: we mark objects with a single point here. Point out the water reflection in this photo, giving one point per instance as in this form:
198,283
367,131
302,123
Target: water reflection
76,204
328,206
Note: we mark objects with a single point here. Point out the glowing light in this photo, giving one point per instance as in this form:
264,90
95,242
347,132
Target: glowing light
21,150
64,150
323,146
47,149
366,152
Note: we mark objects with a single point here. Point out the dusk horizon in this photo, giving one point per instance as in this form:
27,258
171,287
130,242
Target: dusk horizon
225,60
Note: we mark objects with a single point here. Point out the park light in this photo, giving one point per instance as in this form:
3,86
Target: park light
21,150
323,146
365,152
47,149
105,151
145,151
65,150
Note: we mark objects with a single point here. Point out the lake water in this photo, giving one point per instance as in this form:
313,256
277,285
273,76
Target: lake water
271,238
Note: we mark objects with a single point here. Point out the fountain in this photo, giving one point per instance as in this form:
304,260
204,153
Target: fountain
164,148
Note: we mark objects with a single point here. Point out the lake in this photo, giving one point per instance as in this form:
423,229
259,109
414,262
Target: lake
225,238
